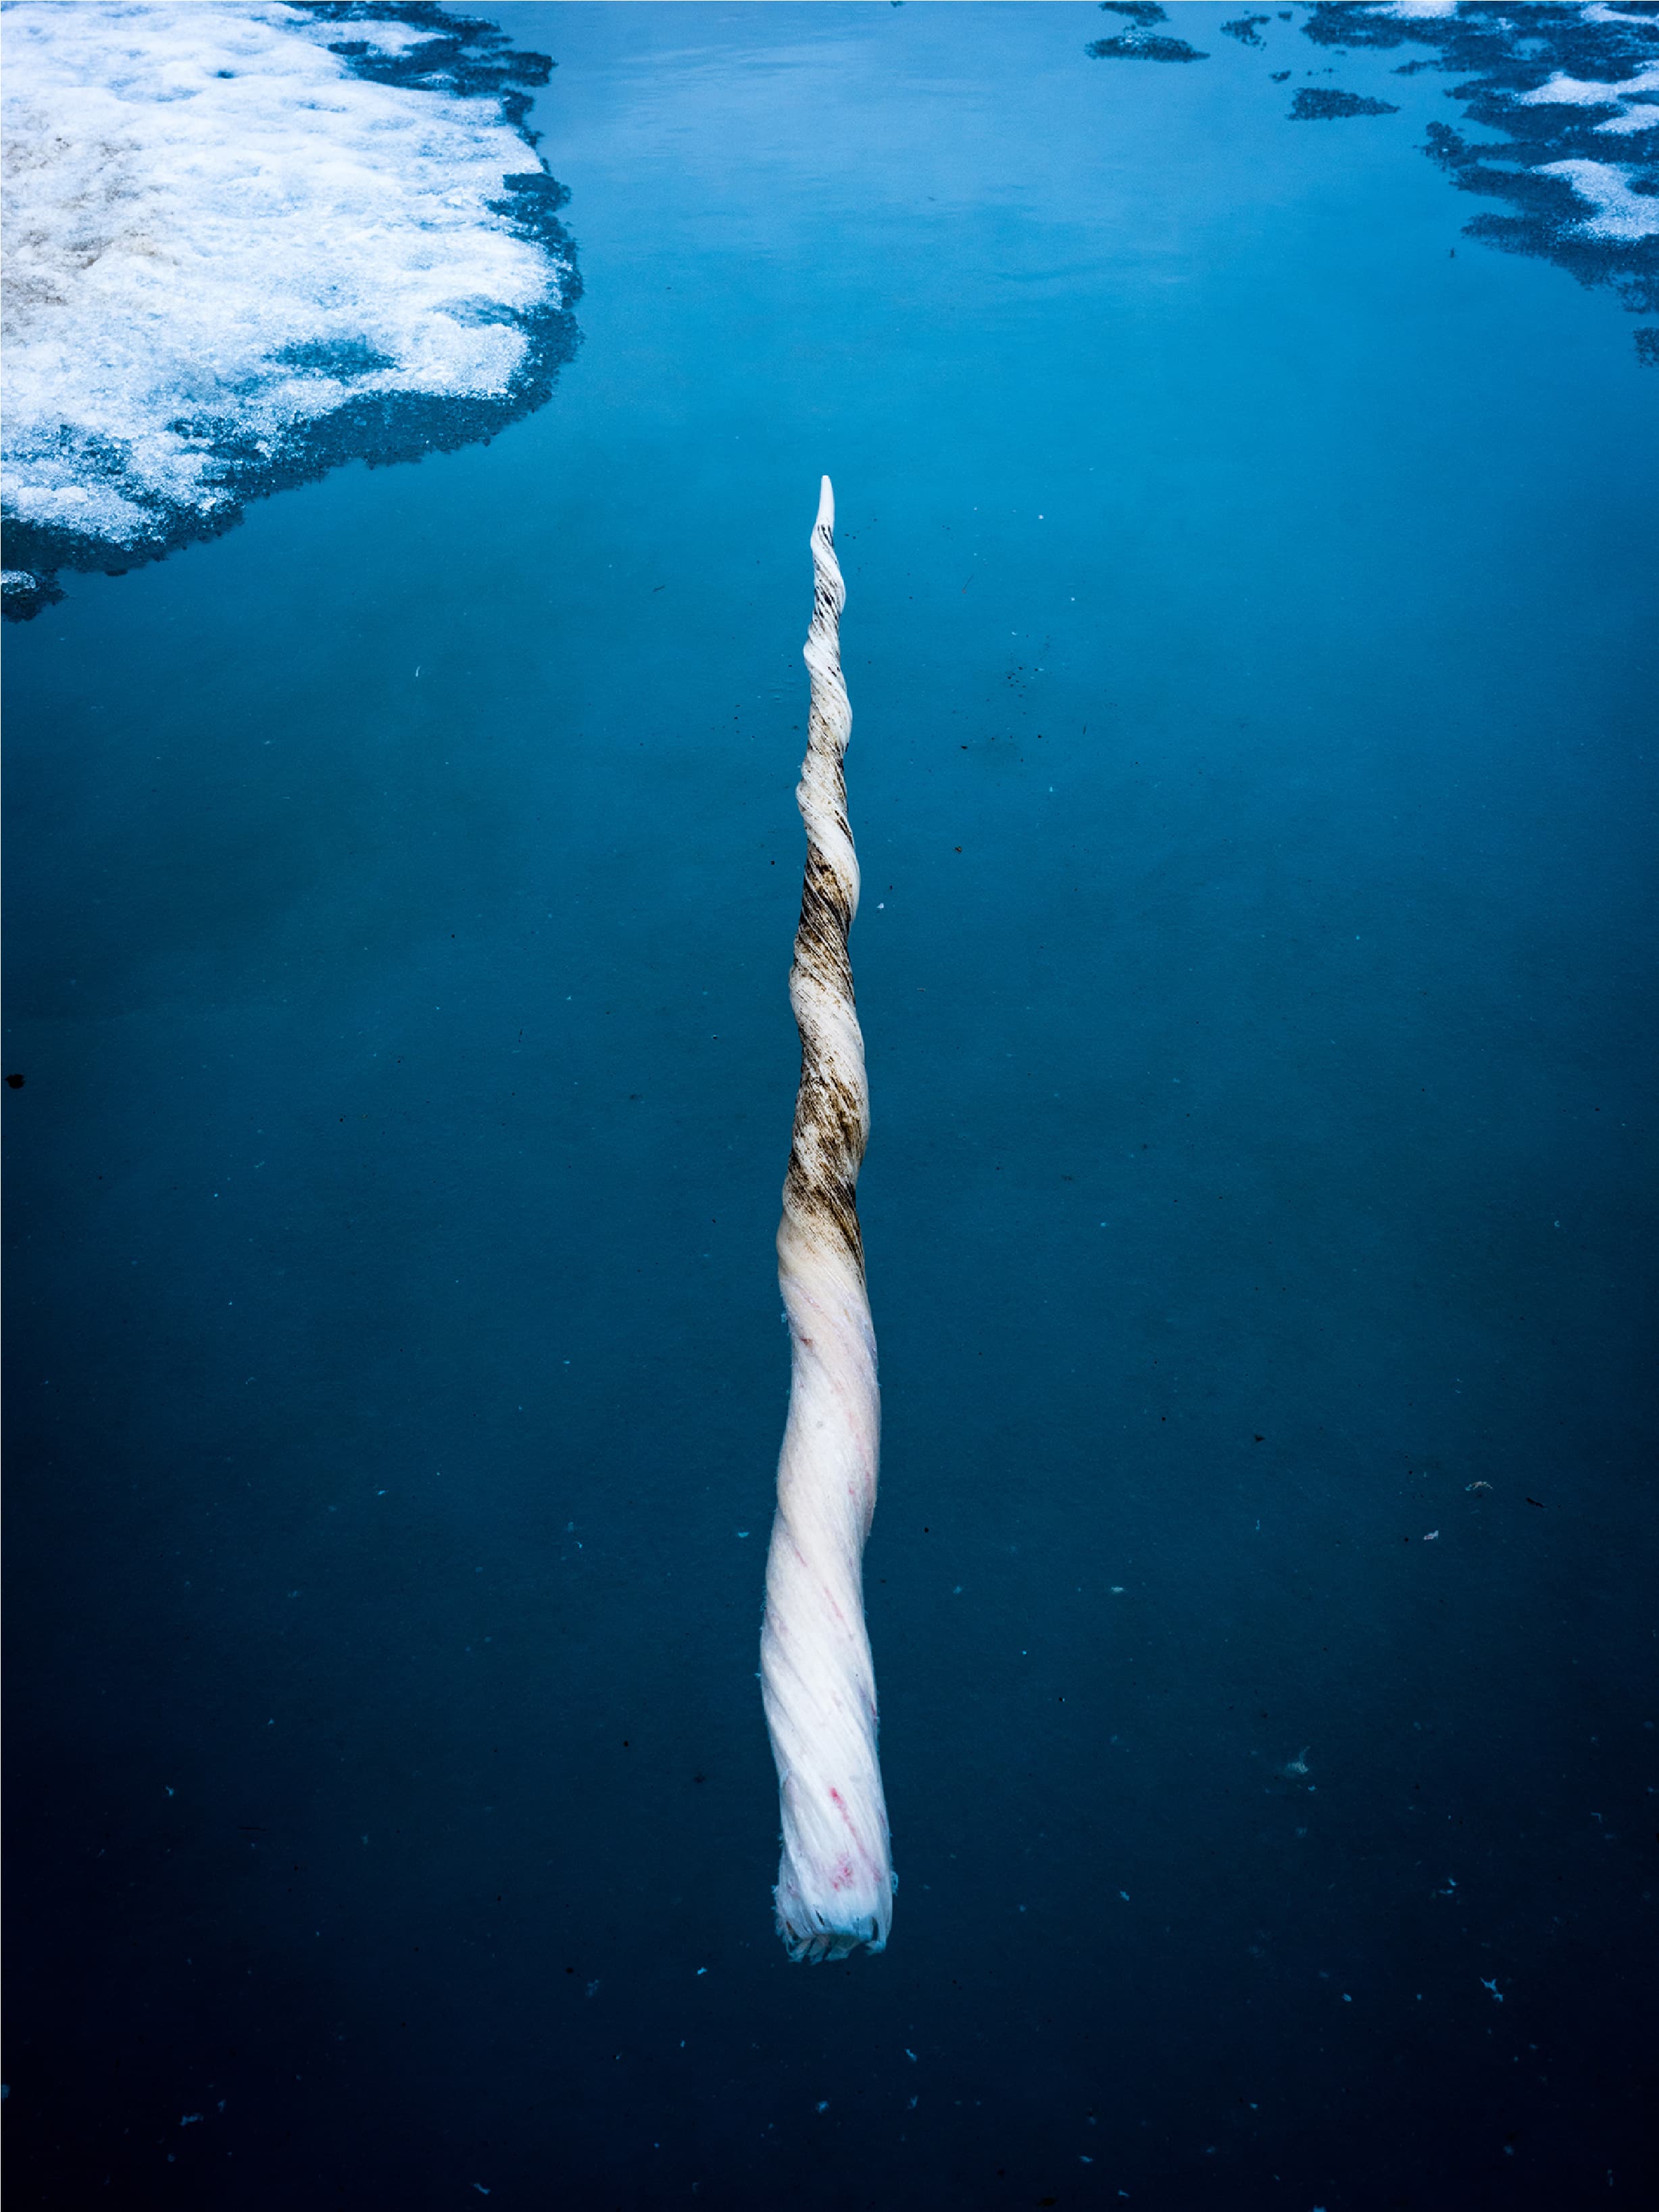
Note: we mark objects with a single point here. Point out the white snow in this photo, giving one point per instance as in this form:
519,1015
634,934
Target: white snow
381,37
1620,212
193,189
1585,92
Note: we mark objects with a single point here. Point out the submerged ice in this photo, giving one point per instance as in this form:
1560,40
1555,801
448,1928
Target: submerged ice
247,241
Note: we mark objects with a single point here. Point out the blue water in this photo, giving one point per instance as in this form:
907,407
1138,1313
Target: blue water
1250,636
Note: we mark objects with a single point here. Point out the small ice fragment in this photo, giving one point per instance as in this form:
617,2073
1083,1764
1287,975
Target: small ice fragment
911,2055
1497,1993
824,2106
1117,1589
188,2117
1124,1894
702,1969
743,1532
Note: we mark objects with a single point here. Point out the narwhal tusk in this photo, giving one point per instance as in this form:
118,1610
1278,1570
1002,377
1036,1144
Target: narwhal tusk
836,1882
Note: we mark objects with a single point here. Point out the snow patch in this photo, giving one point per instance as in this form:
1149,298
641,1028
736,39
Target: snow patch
1620,212
1584,92
223,242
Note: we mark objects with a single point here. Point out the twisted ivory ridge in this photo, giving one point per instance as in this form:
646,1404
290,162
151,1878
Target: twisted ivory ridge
836,1882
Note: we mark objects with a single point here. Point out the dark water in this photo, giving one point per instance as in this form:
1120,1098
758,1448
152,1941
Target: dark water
1251,647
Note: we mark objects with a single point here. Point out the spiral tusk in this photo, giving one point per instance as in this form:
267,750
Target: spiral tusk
836,1882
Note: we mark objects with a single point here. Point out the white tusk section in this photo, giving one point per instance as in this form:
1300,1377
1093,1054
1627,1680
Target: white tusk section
836,1880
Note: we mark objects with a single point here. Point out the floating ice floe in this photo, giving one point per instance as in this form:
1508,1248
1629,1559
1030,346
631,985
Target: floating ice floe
1588,92
1620,212
1584,92
1643,116
247,242
1553,89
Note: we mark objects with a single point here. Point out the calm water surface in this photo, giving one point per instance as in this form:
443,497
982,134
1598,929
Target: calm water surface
1250,636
